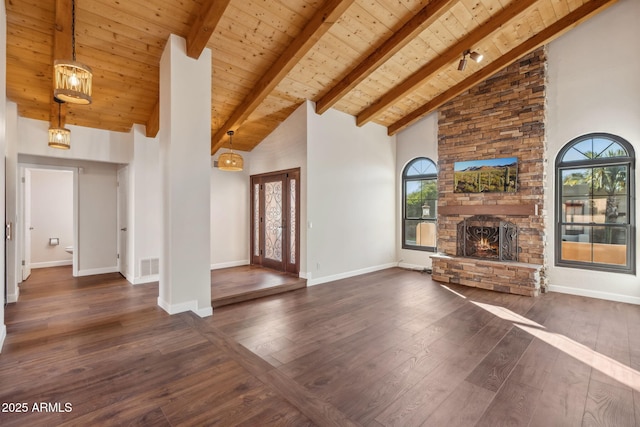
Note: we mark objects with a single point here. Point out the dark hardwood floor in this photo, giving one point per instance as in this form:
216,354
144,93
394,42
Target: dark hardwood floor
391,348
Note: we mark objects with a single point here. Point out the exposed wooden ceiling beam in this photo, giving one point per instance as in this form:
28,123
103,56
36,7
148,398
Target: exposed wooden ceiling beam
62,49
545,36
425,17
428,70
153,124
317,26
206,21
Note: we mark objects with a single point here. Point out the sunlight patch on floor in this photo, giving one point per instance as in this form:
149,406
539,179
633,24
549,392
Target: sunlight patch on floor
608,366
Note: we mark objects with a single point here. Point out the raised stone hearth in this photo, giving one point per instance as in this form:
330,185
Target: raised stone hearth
510,277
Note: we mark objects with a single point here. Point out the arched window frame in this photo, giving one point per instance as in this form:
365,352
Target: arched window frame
423,172
566,226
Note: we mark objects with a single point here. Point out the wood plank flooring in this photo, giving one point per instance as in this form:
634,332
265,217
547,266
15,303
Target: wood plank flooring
391,348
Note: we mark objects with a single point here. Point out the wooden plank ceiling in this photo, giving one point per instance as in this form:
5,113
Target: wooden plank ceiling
385,61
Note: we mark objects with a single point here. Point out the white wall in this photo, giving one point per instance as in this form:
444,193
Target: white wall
419,140
51,217
351,187
86,143
230,216
144,218
594,86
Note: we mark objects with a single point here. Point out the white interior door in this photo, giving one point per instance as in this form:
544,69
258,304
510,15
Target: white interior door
26,254
123,189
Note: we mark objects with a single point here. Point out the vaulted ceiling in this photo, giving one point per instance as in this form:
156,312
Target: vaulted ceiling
385,61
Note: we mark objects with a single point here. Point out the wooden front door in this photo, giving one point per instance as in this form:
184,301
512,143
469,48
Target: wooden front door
275,225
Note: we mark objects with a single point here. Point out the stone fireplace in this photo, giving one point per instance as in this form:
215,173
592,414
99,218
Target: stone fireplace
487,237
495,240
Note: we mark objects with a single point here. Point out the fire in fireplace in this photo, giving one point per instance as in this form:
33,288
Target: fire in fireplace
487,237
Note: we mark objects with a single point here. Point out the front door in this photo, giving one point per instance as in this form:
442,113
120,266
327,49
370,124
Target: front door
275,221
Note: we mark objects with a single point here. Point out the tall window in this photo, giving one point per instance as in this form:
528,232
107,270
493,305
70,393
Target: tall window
420,202
595,215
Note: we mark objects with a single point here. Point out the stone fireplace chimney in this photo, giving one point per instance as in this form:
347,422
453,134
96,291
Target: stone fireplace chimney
502,117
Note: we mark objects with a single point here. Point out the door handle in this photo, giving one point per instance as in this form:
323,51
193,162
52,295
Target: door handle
123,229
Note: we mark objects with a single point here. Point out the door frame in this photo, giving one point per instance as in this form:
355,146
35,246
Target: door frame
21,231
257,257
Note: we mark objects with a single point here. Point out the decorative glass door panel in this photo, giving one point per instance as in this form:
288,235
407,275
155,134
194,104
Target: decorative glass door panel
275,208
273,221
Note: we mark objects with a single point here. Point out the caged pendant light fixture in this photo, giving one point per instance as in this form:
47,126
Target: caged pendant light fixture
59,137
72,79
230,161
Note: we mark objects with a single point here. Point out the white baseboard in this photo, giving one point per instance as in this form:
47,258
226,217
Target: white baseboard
415,267
3,335
94,271
51,264
13,297
595,294
220,265
143,280
185,306
346,275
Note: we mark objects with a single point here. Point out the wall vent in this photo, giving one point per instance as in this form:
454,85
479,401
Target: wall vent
149,267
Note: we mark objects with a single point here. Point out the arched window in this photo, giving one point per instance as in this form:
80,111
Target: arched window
595,214
419,204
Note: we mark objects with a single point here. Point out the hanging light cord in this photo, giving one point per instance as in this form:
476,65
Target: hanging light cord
73,29
230,133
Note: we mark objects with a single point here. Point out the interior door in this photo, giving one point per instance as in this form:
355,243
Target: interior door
123,189
26,254
275,222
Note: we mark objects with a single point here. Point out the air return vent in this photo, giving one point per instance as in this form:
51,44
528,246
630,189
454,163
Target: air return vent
149,267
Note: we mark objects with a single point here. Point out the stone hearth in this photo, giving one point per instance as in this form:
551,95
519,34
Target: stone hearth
510,277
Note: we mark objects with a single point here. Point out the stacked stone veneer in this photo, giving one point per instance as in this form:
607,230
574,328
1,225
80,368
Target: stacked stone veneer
502,117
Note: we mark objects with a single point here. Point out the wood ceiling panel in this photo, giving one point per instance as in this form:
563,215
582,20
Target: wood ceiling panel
239,23
477,10
123,41
36,11
272,15
137,17
120,31
109,41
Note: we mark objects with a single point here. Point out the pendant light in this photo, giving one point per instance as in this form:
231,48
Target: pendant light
230,161
59,137
72,79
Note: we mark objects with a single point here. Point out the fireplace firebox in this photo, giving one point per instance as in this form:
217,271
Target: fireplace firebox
487,237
